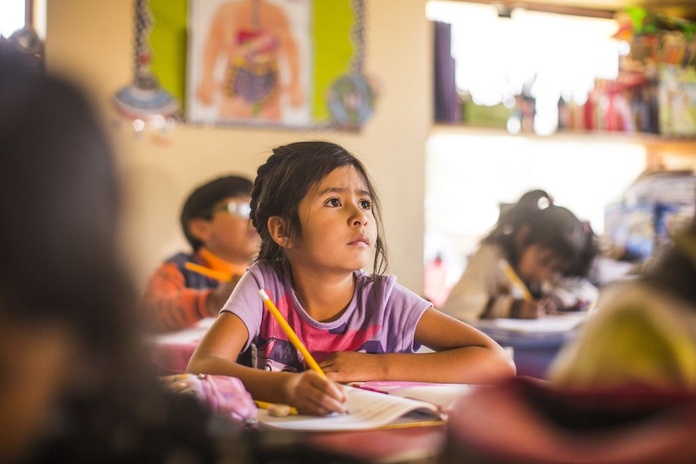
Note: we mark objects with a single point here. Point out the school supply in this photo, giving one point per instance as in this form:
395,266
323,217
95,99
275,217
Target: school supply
292,336
276,409
515,280
441,394
375,405
222,394
206,271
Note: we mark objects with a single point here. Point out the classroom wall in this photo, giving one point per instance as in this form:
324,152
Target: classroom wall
92,41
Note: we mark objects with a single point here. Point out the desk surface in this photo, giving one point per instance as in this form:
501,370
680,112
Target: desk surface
534,342
402,445
170,352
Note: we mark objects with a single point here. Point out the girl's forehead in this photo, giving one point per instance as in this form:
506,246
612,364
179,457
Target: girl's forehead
344,177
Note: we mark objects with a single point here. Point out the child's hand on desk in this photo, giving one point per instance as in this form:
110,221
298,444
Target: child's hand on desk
523,309
350,366
551,305
311,393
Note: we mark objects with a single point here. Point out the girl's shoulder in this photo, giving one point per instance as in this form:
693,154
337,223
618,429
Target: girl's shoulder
266,275
384,286
363,278
265,268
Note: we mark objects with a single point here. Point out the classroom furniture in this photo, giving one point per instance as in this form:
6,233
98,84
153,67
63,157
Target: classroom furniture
403,445
534,342
170,352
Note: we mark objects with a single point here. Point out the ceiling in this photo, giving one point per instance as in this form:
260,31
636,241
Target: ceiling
678,8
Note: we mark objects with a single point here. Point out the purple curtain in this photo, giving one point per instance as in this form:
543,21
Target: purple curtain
447,108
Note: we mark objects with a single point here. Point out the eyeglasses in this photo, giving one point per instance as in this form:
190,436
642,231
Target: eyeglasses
241,210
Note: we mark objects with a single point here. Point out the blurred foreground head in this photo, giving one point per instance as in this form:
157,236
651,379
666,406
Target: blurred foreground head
643,334
63,289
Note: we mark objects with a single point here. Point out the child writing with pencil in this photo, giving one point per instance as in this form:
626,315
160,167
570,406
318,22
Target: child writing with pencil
188,287
515,271
317,213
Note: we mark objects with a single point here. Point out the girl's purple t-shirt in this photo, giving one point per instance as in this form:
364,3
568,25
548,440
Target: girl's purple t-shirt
381,318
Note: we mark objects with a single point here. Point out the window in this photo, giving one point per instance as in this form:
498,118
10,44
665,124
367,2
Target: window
543,55
12,16
470,173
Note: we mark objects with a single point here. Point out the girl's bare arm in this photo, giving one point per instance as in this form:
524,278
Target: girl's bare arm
308,391
461,354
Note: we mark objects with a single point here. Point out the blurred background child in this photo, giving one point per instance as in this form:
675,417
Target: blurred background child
543,244
215,221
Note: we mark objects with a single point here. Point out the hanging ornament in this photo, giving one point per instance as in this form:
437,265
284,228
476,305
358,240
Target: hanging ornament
351,97
144,102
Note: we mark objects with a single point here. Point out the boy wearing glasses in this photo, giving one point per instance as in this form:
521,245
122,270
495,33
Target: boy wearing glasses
188,287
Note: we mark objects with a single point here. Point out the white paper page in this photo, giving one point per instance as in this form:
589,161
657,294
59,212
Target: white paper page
441,394
367,410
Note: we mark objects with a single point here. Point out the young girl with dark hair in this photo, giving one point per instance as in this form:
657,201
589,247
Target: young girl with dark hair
317,213
540,242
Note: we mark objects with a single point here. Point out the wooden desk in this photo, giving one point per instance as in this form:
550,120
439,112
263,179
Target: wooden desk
170,353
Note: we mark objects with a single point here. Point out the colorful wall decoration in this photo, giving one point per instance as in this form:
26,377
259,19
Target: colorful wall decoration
266,63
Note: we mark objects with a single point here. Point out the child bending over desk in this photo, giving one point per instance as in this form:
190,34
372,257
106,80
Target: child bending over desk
317,213
517,268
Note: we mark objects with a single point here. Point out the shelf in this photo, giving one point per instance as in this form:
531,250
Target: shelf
675,145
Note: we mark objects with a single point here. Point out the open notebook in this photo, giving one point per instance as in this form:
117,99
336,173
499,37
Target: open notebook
376,405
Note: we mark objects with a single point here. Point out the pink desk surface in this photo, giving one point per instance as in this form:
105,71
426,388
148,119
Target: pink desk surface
170,353
403,445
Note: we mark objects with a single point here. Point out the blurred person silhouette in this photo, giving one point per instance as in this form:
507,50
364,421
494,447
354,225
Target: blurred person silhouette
75,384
544,248
215,221
644,330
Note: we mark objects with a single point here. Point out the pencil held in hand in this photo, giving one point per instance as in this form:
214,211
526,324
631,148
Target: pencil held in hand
515,280
297,343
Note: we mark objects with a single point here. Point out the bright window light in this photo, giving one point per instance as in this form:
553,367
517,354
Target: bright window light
549,55
12,17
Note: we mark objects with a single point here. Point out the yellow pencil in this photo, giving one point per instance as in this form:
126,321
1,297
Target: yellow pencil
266,405
297,343
516,281
206,271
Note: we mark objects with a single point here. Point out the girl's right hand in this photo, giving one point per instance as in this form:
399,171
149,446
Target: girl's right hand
311,393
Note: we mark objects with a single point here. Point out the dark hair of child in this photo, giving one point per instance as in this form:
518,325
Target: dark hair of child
553,227
200,202
584,264
673,268
284,180
61,267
